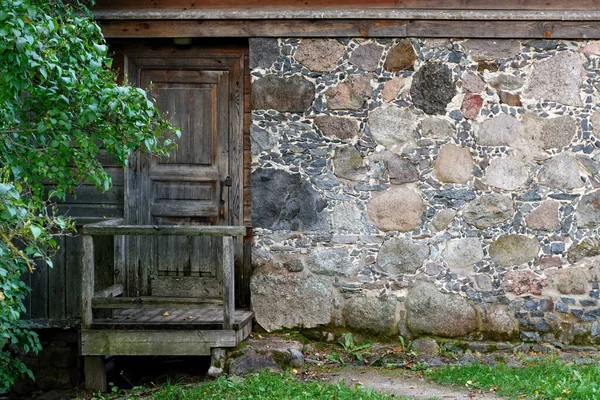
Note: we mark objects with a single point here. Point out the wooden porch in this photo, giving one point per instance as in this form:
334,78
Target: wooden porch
112,324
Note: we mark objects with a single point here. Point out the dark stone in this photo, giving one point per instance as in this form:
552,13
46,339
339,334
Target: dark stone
263,52
288,94
281,200
340,127
433,88
562,307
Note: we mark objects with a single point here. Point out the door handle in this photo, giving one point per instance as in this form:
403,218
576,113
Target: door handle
224,183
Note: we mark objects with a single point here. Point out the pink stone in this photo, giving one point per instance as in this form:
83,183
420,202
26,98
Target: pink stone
592,48
471,105
472,82
524,282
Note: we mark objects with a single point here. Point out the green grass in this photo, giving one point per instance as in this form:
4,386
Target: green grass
265,386
541,379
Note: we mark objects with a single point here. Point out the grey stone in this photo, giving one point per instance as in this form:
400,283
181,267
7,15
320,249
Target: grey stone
367,56
371,314
588,211
341,127
588,247
393,127
297,358
346,217
263,52
433,268
349,164
472,82
453,164
400,170
425,347
557,78
436,128
506,173
488,210
571,280
491,49
433,88
271,353
398,208
502,130
331,261
595,119
294,265
400,57
558,132
402,256
561,171
461,254
350,94
484,282
253,362
281,200
287,94
435,313
261,140
545,217
507,82
510,250
290,300
442,219
319,54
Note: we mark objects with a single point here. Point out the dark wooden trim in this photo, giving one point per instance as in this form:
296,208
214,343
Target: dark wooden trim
164,230
151,302
543,29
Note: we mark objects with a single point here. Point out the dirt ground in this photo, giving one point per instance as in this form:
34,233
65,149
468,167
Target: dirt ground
403,384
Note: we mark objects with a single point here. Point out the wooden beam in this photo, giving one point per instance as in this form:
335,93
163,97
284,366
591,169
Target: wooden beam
95,373
151,302
87,280
111,291
164,230
542,29
155,342
273,13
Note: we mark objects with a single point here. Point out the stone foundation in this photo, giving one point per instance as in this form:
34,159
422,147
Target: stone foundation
427,187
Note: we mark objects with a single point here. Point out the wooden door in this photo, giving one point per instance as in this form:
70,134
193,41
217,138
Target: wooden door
199,184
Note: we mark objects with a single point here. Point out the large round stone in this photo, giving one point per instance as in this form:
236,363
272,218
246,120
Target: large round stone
511,250
402,256
557,78
350,94
367,56
431,312
319,54
332,262
502,130
348,164
433,88
500,323
398,208
488,210
289,301
393,127
588,211
453,164
561,171
371,314
506,173
287,94
463,253
436,128
341,127
545,217
281,200
558,132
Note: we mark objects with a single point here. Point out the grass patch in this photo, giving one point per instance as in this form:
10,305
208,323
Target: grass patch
541,379
265,386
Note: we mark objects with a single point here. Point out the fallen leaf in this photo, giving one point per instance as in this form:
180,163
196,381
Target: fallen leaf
166,314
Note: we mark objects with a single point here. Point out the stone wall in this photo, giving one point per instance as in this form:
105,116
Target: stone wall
427,187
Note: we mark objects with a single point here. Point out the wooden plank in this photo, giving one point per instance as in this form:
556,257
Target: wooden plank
98,210
279,12
155,342
73,277
228,284
57,282
183,208
542,29
39,290
185,286
87,280
111,291
119,260
95,373
165,230
178,319
150,302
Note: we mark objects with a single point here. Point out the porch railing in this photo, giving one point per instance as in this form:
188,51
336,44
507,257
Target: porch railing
107,297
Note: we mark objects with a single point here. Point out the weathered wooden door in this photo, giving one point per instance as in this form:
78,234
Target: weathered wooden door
199,184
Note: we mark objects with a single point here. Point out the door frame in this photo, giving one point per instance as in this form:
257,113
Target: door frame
140,57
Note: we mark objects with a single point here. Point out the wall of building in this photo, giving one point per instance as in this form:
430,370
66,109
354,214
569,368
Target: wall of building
427,187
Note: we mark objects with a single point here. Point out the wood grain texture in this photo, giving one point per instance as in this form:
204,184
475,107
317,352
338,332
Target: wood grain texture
87,280
95,373
165,230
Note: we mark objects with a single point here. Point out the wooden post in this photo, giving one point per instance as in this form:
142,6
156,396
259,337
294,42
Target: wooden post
228,284
93,366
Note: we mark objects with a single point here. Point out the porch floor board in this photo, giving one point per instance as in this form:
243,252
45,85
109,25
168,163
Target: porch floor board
171,318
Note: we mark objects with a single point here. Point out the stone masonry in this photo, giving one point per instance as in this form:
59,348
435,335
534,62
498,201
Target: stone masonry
429,187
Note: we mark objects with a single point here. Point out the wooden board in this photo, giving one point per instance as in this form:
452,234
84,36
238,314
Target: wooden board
539,29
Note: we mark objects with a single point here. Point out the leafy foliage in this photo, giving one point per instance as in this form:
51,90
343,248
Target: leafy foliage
60,108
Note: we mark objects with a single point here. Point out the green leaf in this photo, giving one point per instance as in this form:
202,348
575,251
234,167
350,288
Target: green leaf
36,231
